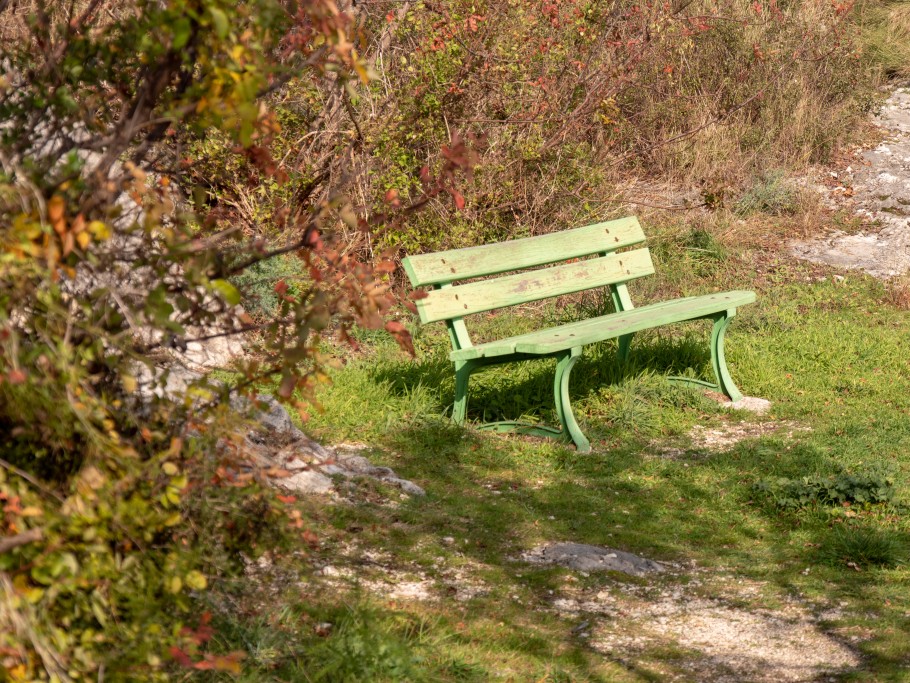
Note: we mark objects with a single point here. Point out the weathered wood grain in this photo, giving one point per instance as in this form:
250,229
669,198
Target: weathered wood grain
486,295
529,252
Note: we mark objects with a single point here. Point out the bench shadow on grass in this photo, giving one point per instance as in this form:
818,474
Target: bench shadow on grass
524,389
672,514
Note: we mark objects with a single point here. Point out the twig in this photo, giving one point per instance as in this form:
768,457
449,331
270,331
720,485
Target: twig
26,537
30,479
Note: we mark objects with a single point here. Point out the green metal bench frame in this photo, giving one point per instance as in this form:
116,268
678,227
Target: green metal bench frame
572,272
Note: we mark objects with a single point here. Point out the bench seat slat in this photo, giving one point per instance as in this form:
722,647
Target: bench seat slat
609,326
528,252
510,290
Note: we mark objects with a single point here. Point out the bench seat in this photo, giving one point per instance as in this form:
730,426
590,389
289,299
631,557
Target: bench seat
605,256
593,330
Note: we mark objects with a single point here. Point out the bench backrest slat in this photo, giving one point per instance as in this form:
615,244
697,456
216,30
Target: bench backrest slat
476,297
491,259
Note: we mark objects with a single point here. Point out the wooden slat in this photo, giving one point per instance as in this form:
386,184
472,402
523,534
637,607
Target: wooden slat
492,259
609,326
476,297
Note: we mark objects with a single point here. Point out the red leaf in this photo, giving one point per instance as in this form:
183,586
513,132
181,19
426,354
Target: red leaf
459,199
311,539
402,336
181,657
16,376
287,499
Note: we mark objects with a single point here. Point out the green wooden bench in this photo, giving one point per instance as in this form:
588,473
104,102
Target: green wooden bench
452,302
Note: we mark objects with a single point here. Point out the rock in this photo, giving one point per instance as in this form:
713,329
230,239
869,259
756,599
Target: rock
355,463
275,441
307,481
878,192
271,418
583,557
408,487
759,406
334,471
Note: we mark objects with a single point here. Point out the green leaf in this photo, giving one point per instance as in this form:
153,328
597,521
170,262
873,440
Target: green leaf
182,32
220,22
227,290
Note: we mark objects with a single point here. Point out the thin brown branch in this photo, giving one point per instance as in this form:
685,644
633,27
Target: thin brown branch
9,542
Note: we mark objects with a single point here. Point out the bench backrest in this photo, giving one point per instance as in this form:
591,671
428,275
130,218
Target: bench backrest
452,302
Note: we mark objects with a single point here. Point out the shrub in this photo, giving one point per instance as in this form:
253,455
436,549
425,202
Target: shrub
564,100
122,503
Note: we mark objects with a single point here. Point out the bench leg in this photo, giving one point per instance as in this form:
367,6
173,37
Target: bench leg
622,352
724,381
462,375
570,428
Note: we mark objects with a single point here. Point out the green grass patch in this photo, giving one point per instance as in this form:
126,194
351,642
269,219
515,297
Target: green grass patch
831,356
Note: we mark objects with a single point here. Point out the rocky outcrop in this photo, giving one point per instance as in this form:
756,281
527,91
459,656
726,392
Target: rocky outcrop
297,463
877,190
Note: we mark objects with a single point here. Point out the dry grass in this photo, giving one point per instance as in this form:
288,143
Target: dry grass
898,292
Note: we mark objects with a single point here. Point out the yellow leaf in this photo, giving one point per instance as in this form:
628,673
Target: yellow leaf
170,469
84,239
129,383
196,580
33,595
99,230
31,511
175,584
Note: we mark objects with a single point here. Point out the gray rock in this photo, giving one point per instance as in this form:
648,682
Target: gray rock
308,481
408,487
759,406
588,558
880,194
313,465
273,417
334,471
294,464
355,463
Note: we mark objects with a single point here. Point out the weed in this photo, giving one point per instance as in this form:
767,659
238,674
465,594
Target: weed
860,547
770,193
870,488
363,646
897,293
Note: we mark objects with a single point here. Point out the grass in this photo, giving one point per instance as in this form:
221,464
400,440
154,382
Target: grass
831,354
885,35
771,193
